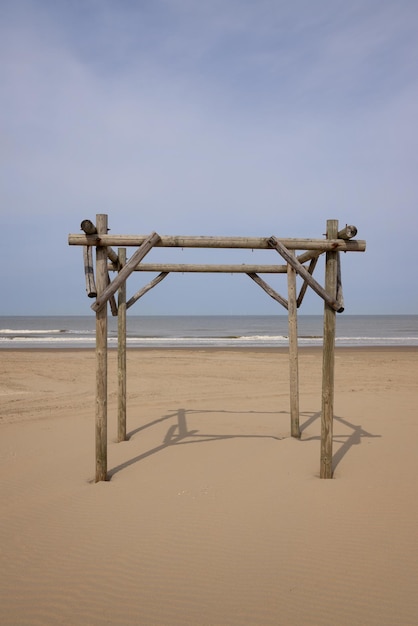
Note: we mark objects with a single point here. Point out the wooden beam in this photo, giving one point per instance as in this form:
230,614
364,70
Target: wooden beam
90,229
122,352
340,295
309,255
304,287
273,294
313,255
145,289
346,233
302,271
293,352
126,271
112,301
101,358
88,271
328,358
184,268
261,243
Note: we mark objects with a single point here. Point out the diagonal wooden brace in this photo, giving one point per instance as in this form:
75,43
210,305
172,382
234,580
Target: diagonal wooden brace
304,287
303,272
147,288
126,271
271,292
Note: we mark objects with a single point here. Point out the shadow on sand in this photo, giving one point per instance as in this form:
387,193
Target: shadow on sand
347,441
178,433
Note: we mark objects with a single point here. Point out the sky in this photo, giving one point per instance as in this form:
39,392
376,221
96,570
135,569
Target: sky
224,118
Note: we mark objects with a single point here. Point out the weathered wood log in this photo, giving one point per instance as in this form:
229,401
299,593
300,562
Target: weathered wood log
141,292
271,292
293,352
340,295
111,254
184,268
122,351
101,358
302,271
90,229
328,358
112,301
261,243
346,233
304,287
88,271
309,255
126,271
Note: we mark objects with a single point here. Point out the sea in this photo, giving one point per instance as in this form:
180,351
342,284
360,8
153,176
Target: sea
219,331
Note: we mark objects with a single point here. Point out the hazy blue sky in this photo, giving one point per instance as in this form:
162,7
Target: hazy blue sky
228,117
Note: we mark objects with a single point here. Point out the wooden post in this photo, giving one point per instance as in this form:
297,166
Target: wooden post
122,351
101,357
293,352
328,357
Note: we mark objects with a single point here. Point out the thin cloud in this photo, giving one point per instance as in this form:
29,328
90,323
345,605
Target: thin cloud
214,118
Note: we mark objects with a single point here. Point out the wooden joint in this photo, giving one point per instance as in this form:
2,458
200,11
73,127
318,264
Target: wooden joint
126,271
304,273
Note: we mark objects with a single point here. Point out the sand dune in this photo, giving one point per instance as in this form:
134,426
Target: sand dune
213,515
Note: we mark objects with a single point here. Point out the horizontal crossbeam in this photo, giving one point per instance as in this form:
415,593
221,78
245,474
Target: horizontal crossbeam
252,243
183,268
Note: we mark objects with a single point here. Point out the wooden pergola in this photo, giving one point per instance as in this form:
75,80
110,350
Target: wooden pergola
303,264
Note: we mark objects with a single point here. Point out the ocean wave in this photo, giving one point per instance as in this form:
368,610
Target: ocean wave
87,340
23,331
49,339
377,341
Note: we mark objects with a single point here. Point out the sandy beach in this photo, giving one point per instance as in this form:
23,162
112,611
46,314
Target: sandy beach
214,515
